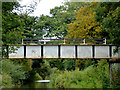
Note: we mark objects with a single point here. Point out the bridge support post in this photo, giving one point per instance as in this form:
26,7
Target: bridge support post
114,72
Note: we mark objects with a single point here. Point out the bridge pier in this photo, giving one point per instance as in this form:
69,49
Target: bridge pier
114,72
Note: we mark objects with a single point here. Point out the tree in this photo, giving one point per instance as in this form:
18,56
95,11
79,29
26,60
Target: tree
10,23
44,24
85,25
108,14
17,25
56,24
30,26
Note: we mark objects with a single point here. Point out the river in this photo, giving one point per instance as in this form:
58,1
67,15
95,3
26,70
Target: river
36,84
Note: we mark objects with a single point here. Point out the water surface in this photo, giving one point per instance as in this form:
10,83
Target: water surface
37,84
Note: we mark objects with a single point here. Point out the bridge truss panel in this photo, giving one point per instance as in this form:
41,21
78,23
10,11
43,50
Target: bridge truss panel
50,51
102,52
67,52
84,51
18,53
33,51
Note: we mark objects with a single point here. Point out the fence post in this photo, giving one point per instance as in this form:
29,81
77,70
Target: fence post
105,41
22,41
44,41
84,41
64,41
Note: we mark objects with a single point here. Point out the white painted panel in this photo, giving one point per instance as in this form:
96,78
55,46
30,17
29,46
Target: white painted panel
102,52
84,51
67,51
50,51
18,53
33,51
115,55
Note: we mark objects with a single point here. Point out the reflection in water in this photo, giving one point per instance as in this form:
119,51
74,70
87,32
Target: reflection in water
35,85
42,81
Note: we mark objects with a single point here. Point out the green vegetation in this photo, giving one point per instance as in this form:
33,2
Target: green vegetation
82,64
85,25
108,14
91,77
43,69
62,64
71,20
13,74
56,24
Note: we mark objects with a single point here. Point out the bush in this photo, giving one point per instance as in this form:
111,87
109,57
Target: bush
26,63
56,63
62,64
6,81
37,77
91,77
82,64
13,71
69,64
52,80
45,69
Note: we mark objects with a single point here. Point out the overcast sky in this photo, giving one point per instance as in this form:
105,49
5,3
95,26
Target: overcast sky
44,6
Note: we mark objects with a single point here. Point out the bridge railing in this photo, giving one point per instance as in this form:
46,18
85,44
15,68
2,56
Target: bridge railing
60,41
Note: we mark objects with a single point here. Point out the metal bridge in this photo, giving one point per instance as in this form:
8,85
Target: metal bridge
64,48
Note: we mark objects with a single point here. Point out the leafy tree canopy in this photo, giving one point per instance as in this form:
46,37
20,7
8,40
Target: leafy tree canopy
108,14
56,24
17,25
85,25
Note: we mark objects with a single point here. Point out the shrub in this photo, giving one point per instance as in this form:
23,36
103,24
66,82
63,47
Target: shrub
91,77
82,64
15,71
56,63
6,81
26,63
69,64
37,77
44,70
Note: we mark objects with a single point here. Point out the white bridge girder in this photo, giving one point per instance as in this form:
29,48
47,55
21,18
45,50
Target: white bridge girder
64,51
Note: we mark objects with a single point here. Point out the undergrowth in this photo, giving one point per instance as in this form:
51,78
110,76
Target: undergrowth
91,77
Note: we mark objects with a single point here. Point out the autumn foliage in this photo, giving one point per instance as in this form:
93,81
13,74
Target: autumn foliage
85,25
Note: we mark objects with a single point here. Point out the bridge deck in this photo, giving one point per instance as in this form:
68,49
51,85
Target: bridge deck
39,51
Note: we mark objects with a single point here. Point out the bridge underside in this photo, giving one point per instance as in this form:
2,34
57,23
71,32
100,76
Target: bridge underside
63,51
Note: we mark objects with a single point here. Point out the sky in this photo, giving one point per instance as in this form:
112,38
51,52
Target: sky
43,7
